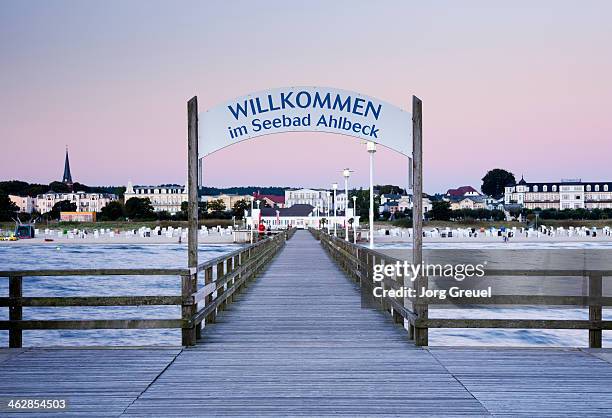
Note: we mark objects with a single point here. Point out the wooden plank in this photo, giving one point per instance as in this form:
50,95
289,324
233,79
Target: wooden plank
524,300
91,301
92,324
514,323
94,272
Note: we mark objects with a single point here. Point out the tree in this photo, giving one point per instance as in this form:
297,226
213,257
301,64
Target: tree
113,211
61,206
216,205
240,208
138,208
8,209
363,203
494,182
183,215
389,189
59,187
440,211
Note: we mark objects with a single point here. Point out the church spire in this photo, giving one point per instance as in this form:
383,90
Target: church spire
67,178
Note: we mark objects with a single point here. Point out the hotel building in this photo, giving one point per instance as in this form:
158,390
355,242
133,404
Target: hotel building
317,198
566,194
85,202
166,197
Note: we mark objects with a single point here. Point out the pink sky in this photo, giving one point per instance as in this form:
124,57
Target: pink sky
519,86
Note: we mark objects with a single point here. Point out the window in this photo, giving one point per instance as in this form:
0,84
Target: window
554,188
605,187
597,187
535,188
588,188
545,188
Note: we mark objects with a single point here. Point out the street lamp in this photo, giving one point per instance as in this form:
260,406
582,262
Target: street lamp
371,150
346,173
335,187
328,211
354,216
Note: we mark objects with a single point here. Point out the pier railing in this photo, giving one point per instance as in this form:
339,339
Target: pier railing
224,277
358,261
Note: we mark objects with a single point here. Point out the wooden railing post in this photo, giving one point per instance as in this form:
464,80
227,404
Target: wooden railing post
15,312
228,270
188,310
236,279
220,290
595,310
208,278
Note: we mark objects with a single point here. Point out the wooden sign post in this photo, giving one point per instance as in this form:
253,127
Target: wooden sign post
191,283
421,309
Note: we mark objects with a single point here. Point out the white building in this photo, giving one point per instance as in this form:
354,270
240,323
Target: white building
299,216
167,197
317,198
85,202
566,194
25,204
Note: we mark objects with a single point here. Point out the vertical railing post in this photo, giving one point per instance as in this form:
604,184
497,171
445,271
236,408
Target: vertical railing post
208,278
15,312
187,311
236,278
221,289
228,270
595,310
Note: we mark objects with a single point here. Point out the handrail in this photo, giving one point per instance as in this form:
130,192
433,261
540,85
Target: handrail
358,262
225,276
95,272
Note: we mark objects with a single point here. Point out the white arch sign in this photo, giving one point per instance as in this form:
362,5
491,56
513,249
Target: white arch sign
313,109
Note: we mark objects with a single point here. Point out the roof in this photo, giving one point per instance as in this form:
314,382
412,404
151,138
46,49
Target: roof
460,191
295,210
272,197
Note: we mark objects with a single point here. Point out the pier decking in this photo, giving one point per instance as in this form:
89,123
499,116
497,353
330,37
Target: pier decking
297,342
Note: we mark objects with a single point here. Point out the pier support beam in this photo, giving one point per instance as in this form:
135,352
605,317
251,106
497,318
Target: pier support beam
189,334
421,310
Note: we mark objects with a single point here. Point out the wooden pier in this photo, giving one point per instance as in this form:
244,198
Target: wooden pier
297,342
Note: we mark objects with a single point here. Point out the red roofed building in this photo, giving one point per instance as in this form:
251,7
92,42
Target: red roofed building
271,200
463,191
